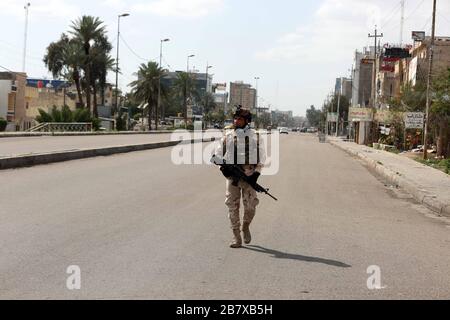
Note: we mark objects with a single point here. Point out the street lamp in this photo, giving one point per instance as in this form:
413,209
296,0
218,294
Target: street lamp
206,88
191,56
116,105
256,102
26,7
159,81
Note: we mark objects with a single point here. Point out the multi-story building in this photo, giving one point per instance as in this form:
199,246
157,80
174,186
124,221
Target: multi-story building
362,78
202,82
243,94
12,99
221,96
345,85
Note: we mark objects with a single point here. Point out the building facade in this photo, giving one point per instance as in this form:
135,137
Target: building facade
12,99
243,94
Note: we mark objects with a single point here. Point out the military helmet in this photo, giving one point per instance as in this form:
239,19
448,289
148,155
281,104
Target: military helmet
244,113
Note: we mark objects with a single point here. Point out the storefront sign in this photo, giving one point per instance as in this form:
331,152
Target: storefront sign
360,114
414,120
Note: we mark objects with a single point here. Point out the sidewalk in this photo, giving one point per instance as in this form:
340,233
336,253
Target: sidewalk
429,186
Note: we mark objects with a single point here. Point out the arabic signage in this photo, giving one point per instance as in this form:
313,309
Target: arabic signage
414,120
360,114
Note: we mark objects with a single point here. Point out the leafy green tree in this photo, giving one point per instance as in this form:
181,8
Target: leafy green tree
441,110
314,116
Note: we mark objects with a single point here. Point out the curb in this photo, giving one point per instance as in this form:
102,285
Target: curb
71,134
423,197
46,158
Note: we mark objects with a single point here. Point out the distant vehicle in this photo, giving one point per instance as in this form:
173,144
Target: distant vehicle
294,130
284,130
304,130
312,130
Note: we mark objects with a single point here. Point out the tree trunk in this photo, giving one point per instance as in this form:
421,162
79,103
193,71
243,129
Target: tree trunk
442,142
95,102
149,116
102,93
156,117
76,78
185,107
88,76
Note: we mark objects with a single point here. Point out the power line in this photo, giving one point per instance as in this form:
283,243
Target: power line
131,50
414,11
386,21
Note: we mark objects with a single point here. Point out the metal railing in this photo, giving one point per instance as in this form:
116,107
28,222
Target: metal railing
62,127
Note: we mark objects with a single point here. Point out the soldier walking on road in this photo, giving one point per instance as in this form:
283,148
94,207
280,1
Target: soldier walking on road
241,145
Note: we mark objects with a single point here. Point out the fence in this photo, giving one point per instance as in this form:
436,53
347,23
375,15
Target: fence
62,127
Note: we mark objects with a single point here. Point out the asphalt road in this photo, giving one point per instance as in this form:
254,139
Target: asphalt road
140,227
16,146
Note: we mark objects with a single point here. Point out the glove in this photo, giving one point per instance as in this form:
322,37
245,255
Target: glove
253,179
226,171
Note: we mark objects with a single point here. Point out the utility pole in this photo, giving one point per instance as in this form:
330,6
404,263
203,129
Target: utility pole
430,69
27,6
376,36
402,21
374,75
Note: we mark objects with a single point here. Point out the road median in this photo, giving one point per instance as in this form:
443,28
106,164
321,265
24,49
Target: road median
60,156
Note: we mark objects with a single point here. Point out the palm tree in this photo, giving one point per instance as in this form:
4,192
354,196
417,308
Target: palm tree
184,85
88,30
63,59
146,88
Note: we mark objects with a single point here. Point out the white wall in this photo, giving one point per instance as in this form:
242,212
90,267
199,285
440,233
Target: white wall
5,89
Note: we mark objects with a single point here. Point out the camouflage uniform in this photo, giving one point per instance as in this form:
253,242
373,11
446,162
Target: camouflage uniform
251,159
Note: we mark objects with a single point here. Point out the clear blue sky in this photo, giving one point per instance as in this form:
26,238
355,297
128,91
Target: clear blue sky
296,47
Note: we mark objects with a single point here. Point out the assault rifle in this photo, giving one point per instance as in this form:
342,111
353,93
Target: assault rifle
238,174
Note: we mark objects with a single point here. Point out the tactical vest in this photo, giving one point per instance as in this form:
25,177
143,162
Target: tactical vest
247,149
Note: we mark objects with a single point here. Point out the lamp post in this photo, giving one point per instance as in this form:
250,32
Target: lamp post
159,81
206,88
27,6
190,56
187,73
256,98
116,104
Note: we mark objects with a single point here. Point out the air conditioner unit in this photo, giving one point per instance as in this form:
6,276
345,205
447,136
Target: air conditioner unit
13,86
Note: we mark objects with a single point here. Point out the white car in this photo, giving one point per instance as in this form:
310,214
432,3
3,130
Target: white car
284,130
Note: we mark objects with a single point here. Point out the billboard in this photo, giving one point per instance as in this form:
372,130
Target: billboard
418,35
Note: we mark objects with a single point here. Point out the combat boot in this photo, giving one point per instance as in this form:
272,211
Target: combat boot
237,240
246,233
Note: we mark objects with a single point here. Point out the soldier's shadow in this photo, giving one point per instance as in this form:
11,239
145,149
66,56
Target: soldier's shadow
283,255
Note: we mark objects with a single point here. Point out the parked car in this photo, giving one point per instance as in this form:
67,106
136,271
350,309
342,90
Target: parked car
284,130
294,130
304,130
